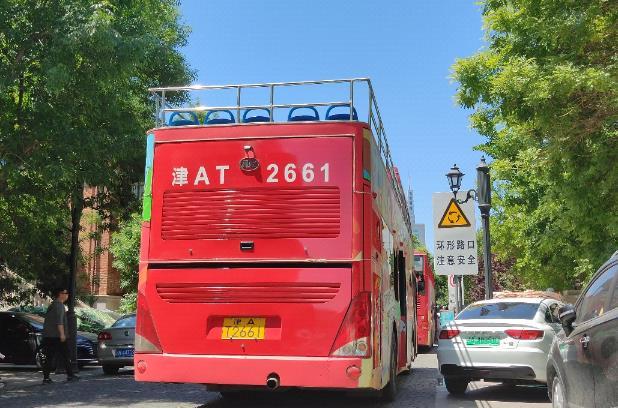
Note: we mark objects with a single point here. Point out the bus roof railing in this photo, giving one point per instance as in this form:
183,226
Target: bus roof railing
374,119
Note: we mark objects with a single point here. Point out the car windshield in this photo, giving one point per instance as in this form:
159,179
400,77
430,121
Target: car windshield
34,320
127,321
499,310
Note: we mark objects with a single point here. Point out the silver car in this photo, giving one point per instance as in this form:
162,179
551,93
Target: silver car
502,340
117,344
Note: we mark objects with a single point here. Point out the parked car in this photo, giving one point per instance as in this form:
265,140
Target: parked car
503,340
116,345
583,364
21,335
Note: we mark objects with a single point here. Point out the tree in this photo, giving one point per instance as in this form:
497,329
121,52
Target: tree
125,250
503,277
74,108
545,95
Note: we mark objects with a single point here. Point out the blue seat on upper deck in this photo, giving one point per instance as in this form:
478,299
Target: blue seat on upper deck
257,118
183,119
341,116
303,118
219,121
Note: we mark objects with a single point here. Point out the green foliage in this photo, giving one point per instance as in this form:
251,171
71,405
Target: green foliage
93,320
128,303
545,95
74,108
125,249
442,290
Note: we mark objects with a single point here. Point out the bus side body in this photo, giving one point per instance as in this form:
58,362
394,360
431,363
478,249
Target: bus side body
303,246
426,304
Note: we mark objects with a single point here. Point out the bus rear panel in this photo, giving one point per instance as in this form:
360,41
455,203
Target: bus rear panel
274,247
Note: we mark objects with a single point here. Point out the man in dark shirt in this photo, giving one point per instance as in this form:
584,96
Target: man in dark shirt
55,347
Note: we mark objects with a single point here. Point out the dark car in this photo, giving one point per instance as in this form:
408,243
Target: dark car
582,369
21,335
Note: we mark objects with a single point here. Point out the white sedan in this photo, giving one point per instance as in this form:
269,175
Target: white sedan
502,340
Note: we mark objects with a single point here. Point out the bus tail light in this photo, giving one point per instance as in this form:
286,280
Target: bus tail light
448,334
525,334
146,338
355,332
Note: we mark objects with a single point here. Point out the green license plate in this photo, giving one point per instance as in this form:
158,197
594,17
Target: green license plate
483,341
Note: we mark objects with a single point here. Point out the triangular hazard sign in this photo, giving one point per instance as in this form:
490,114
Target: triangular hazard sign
453,216
250,321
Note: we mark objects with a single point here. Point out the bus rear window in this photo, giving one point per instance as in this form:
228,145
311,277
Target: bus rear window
418,263
501,310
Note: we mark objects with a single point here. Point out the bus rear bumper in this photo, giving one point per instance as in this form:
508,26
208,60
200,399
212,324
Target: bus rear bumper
309,372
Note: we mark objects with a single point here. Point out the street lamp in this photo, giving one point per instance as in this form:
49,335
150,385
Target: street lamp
482,195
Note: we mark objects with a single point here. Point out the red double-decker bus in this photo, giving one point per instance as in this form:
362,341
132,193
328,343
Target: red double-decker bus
426,300
276,246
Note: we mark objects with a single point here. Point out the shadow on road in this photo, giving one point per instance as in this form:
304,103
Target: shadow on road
415,390
420,389
506,393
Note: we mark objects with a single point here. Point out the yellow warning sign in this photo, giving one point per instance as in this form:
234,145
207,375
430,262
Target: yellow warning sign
453,216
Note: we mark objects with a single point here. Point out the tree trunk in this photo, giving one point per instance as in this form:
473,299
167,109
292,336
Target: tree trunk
77,207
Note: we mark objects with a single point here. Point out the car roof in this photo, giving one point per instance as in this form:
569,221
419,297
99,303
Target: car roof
514,300
26,314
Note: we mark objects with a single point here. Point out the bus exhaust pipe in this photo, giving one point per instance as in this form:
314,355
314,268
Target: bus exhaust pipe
272,382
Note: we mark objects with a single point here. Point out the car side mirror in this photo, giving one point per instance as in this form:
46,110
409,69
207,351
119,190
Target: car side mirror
567,316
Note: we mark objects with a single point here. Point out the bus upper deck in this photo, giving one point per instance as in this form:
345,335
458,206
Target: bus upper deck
358,92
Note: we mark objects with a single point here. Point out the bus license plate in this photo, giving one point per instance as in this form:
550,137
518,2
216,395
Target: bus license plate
245,328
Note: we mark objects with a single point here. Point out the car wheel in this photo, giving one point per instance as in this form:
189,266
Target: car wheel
389,393
558,399
39,358
110,370
456,386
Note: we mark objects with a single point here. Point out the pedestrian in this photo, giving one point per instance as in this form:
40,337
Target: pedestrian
55,346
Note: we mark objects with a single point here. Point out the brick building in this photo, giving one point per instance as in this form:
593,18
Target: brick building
97,277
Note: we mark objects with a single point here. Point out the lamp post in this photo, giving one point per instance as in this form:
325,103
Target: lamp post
482,195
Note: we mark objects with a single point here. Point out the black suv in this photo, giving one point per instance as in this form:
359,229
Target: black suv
582,370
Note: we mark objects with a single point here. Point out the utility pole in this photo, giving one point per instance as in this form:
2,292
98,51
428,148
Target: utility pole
483,193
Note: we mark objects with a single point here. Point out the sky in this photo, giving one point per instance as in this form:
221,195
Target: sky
405,47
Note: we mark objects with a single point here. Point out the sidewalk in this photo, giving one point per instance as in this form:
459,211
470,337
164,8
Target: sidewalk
16,378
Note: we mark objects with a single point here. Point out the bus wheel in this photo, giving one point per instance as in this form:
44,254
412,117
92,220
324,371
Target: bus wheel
389,393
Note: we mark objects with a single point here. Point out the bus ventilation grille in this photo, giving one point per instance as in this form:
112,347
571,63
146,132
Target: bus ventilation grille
248,292
307,212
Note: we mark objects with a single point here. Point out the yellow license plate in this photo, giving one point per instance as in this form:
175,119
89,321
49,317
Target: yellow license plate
243,328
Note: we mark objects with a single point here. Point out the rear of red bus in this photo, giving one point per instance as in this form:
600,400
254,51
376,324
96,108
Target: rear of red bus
251,267
426,302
